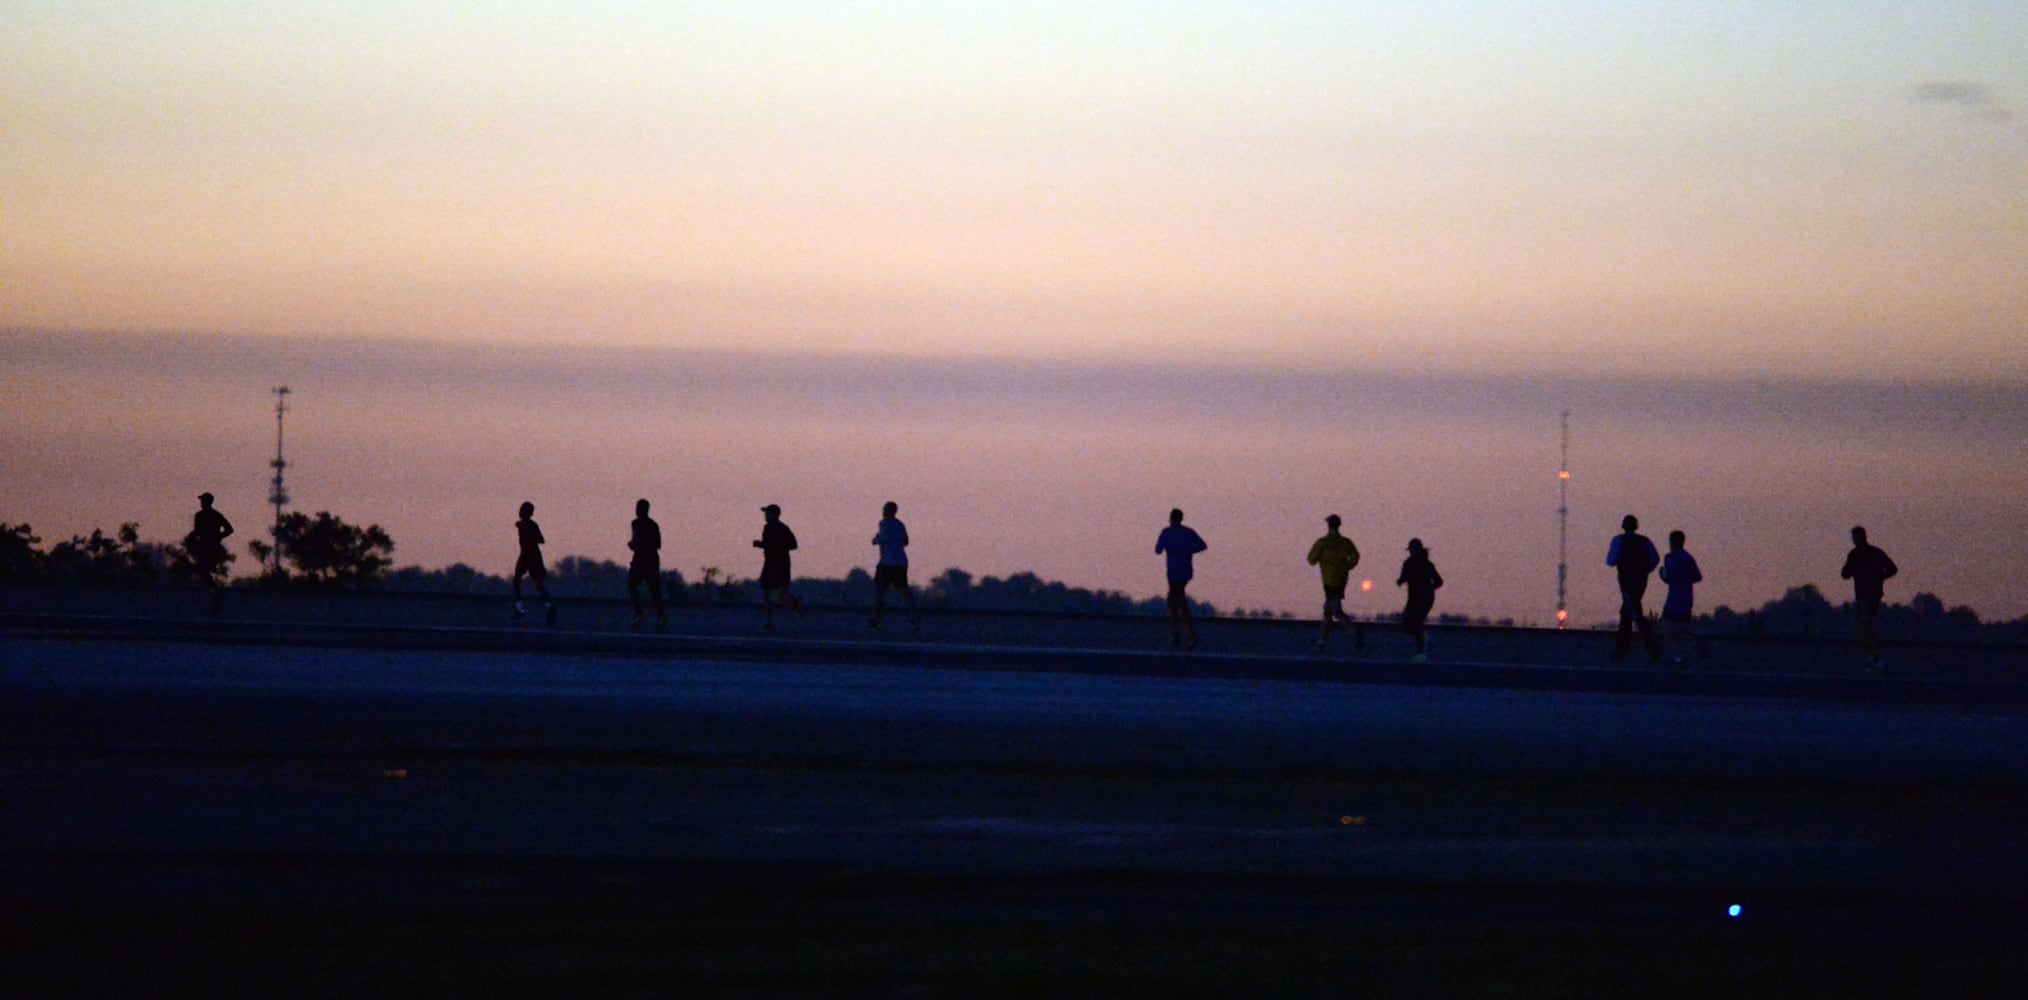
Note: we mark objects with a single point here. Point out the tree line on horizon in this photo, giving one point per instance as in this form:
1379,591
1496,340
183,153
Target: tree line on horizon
323,552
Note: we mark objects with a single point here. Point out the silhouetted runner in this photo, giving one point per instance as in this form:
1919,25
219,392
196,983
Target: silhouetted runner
776,542
1634,556
1179,543
891,572
1868,568
646,566
1680,573
206,543
1421,578
530,564
1335,557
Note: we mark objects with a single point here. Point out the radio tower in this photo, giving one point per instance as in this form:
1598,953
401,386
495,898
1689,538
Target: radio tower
1562,524
279,495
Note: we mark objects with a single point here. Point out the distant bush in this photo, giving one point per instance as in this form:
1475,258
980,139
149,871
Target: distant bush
1805,612
578,577
955,588
456,578
572,576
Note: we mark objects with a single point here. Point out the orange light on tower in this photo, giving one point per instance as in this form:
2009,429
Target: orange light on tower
1365,586
1562,518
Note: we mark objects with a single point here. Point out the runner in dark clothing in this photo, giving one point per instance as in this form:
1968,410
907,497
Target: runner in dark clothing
1180,543
776,542
530,564
1421,578
1868,568
646,566
206,543
1634,556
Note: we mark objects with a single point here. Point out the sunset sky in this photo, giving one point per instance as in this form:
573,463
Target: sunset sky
1794,187
1802,194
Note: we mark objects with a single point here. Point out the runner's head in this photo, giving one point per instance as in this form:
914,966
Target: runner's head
204,500
1676,541
527,509
1176,516
1334,520
1629,523
641,508
889,508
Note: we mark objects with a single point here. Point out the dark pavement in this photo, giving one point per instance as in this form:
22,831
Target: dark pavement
586,811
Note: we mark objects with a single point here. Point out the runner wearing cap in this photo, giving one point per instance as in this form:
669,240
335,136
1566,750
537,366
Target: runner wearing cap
776,542
206,544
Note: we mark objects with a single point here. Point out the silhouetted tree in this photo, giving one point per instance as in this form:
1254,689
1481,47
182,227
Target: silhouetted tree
20,560
948,588
856,588
1803,611
715,586
118,560
326,550
263,553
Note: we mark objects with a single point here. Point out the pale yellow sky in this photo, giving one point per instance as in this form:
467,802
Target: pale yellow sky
1806,189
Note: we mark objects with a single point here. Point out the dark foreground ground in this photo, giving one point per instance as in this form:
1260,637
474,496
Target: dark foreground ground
361,803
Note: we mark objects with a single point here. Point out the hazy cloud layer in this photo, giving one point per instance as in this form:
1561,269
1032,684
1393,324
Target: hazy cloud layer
1976,100
946,390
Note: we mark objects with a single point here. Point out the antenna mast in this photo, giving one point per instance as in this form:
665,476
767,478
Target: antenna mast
279,495
1562,525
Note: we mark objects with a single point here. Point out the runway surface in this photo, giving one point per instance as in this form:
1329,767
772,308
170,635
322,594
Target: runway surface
228,807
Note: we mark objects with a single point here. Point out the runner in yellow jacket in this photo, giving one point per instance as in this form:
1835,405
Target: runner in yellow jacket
1336,556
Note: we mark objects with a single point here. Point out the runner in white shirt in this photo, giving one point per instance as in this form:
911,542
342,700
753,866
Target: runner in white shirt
892,570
